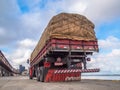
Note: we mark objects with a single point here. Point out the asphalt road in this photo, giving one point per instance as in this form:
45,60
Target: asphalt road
23,83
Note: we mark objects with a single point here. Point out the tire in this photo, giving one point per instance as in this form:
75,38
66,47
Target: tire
38,74
42,74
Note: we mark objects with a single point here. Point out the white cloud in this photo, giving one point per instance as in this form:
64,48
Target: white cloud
31,21
115,53
96,10
110,43
9,11
104,10
4,37
21,55
27,43
78,7
2,32
110,61
8,7
22,52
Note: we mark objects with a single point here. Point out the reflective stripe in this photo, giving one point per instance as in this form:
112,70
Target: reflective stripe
62,71
68,71
59,71
76,70
55,71
71,70
65,71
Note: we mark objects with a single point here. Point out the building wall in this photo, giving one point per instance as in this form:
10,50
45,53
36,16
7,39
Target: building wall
21,68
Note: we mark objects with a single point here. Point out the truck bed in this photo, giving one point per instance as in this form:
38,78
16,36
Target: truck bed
73,45
65,45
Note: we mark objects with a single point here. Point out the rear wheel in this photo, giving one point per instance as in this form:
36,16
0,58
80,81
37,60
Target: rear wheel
40,74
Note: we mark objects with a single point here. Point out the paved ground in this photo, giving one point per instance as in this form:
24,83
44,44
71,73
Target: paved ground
23,83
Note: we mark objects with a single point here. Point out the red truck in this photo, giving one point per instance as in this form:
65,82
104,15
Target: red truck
61,54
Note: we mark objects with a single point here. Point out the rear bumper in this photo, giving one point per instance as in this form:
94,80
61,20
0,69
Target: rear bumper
77,70
66,74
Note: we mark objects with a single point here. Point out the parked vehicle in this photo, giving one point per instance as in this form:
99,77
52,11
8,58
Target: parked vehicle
61,53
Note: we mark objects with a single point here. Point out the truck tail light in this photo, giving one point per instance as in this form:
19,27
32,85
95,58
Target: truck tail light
47,64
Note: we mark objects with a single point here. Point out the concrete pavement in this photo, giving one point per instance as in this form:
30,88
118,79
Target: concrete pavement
23,83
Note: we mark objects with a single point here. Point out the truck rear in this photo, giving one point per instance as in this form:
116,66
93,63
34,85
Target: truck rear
61,53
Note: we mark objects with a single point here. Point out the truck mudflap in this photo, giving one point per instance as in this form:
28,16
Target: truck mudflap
66,74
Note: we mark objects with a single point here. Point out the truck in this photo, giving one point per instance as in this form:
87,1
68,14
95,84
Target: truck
63,49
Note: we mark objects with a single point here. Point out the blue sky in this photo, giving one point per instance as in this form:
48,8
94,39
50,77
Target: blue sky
23,21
